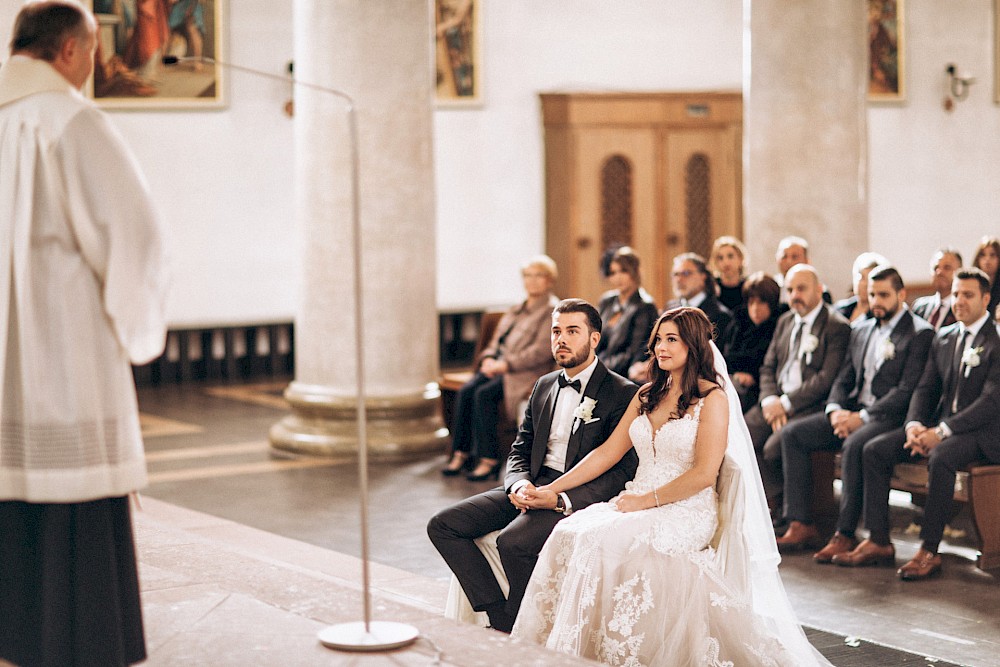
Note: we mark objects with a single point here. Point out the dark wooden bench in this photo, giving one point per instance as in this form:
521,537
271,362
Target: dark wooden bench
978,486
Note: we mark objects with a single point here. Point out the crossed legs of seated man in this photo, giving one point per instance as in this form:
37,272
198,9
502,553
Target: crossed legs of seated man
944,460
454,529
800,438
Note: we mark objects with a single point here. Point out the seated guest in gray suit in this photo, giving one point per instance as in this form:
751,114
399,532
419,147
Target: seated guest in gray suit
953,420
570,413
856,306
885,359
627,313
694,286
801,363
936,308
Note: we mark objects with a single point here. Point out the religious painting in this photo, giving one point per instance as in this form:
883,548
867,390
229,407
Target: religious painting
456,59
886,81
159,54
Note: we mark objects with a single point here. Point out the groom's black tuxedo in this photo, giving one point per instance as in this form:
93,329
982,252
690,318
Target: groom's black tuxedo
453,529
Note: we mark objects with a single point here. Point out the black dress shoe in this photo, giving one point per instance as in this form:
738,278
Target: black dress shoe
492,473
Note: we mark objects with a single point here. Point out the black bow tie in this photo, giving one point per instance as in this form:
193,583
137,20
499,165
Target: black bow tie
574,385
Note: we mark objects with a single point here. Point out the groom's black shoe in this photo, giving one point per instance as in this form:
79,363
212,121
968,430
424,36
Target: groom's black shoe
499,618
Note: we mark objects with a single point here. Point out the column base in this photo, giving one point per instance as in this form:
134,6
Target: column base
398,427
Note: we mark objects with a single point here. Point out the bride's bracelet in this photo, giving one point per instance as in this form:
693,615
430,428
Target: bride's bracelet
656,498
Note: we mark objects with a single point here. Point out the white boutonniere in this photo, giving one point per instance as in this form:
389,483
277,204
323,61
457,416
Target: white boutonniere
808,346
886,350
971,359
585,411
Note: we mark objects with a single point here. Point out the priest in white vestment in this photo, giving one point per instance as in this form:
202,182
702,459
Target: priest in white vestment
82,294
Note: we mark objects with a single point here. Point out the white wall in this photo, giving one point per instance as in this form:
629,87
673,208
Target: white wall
935,175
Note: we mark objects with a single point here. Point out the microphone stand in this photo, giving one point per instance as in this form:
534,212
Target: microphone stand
366,635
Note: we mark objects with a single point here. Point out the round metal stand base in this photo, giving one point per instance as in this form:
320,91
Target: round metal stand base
381,636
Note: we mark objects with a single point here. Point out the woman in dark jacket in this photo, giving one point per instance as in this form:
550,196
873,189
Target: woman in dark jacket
627,315
745,341
987,260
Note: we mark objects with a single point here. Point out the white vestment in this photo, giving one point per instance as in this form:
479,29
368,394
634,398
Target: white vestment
82,293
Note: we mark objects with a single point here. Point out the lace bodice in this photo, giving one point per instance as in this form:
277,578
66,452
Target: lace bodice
665,455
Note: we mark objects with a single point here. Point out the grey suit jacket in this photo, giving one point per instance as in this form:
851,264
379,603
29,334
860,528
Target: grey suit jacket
819,371
924,306
978,394
896,379
613,394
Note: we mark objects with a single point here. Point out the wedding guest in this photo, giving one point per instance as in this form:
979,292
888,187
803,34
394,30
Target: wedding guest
632,581
627,313
987,260
936,308
856,307
84,295
885,358
953,420
729,262
801,363
570,413
516,356
693,286
745,341
793,250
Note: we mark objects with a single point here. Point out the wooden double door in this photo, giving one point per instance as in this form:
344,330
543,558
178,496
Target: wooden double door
660,172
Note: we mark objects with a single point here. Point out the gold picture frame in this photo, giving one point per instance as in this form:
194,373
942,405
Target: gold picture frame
457,40
886,51
135,37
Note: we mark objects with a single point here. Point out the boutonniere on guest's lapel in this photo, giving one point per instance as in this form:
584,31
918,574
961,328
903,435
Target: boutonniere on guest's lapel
808,346
886,350
971,359
585,411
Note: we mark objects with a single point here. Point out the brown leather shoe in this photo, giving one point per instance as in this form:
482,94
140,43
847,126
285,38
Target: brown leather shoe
838,544
921,566
799,536
867,553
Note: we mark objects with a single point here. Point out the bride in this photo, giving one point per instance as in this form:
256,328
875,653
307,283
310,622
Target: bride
670,572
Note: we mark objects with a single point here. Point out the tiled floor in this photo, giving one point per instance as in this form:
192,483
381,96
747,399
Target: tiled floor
208,452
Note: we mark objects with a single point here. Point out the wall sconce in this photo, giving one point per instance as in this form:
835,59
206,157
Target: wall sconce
958,86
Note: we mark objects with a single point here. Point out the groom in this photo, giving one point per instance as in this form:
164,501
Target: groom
570,412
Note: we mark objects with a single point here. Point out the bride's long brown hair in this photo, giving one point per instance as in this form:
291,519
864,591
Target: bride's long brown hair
696,332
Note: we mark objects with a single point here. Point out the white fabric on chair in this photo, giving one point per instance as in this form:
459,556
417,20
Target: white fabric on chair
457,606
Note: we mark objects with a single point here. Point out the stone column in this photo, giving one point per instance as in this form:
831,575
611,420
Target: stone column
379,54
805,132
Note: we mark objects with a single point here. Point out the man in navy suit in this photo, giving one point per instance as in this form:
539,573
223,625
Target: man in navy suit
695,287
936,308
570,412
885,359
953,420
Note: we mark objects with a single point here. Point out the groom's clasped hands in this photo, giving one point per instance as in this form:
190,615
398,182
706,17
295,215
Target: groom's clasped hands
531,497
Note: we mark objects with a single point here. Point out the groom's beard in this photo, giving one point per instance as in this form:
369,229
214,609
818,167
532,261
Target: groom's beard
579,356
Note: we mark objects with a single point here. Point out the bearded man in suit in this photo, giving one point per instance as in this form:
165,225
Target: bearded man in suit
801,363
953,420
571,412
885,359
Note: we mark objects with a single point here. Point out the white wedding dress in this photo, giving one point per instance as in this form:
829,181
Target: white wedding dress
666,586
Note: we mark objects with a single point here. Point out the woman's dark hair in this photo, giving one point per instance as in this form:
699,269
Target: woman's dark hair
986,242
696,332
762,286
627,261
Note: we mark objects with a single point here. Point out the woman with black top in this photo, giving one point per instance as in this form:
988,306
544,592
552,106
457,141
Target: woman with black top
987,260
745,341
729,261
627,316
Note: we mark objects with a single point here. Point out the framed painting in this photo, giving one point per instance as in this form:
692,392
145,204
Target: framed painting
135,40
886,52
456,52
